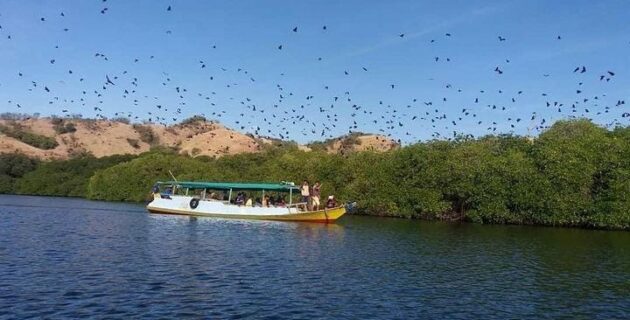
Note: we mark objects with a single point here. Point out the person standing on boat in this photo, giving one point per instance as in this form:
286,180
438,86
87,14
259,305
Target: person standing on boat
305,191
315,194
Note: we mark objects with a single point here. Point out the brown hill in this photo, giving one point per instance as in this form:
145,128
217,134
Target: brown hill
195,137
354,142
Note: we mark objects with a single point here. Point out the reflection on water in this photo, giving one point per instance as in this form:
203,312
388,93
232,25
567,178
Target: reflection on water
77,258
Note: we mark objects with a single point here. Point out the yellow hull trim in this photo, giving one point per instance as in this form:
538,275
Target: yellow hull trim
326,215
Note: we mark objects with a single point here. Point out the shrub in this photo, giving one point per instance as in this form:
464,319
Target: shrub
194,119
121,120
134,143
33,139
61,126
146,134
12,167
65,177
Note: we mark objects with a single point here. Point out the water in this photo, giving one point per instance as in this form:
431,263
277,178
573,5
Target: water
77,258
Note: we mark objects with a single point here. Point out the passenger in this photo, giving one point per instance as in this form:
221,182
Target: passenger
249,202
272,202
304,190
331,203
167,193
155,190
315,195
265,201
257,203
240,199
280,201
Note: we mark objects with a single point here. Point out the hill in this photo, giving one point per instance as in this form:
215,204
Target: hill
64,138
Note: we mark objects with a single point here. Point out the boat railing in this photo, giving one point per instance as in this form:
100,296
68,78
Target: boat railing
299,205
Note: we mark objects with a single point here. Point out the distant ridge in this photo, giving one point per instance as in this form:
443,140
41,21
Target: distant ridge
195,136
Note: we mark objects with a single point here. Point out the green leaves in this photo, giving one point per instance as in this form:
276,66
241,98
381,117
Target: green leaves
65,178
574,174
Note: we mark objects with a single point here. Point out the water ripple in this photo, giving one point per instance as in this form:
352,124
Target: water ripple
75,258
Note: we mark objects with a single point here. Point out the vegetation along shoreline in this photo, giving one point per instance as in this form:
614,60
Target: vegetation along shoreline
575,174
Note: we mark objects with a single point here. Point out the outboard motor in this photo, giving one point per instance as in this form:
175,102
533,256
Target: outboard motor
351,207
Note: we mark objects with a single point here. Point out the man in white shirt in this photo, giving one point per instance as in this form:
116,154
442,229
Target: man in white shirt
305,191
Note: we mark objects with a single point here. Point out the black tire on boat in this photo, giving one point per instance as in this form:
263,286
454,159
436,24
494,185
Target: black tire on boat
194,202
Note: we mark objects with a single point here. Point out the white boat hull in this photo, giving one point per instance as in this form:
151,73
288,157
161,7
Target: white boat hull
214,208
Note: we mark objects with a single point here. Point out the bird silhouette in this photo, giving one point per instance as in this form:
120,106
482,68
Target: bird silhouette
108,81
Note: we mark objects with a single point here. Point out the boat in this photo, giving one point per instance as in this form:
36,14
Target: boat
226,200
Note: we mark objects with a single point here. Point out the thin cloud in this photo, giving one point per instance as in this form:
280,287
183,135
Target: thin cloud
470,16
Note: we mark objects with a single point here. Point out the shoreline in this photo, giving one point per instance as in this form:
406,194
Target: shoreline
396,217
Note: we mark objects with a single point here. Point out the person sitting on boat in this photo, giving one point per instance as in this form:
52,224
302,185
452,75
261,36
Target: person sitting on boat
240,199
167,192
331,203
280,201
271,202
304,190
249,202
265,201
257,203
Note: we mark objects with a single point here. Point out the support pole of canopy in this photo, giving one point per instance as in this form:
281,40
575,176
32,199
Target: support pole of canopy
230,196
290,196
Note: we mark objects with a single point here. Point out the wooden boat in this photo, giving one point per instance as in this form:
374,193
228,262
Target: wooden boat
217,199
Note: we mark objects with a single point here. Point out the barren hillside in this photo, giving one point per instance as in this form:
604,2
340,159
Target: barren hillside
105,137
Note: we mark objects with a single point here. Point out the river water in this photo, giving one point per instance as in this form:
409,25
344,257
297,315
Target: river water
63,257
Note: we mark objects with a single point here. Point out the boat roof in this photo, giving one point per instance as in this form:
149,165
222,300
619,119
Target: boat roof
282,186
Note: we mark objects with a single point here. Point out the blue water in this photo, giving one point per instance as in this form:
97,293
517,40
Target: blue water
76,258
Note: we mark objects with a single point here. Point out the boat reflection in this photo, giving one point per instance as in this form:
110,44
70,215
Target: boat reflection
306,230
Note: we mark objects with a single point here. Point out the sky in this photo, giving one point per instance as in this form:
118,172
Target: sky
412,70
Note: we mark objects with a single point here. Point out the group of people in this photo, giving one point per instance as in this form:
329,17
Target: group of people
266,201
311,196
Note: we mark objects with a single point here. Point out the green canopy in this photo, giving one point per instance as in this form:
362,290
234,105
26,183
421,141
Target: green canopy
284,186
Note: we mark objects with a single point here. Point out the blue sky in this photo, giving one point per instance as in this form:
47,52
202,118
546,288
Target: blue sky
358,34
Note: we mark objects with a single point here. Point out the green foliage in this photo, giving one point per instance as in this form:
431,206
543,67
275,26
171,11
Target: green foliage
65,178
346,143
146,134
61,126
574,174
33,139
134,143
131,181
193,120
13,167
